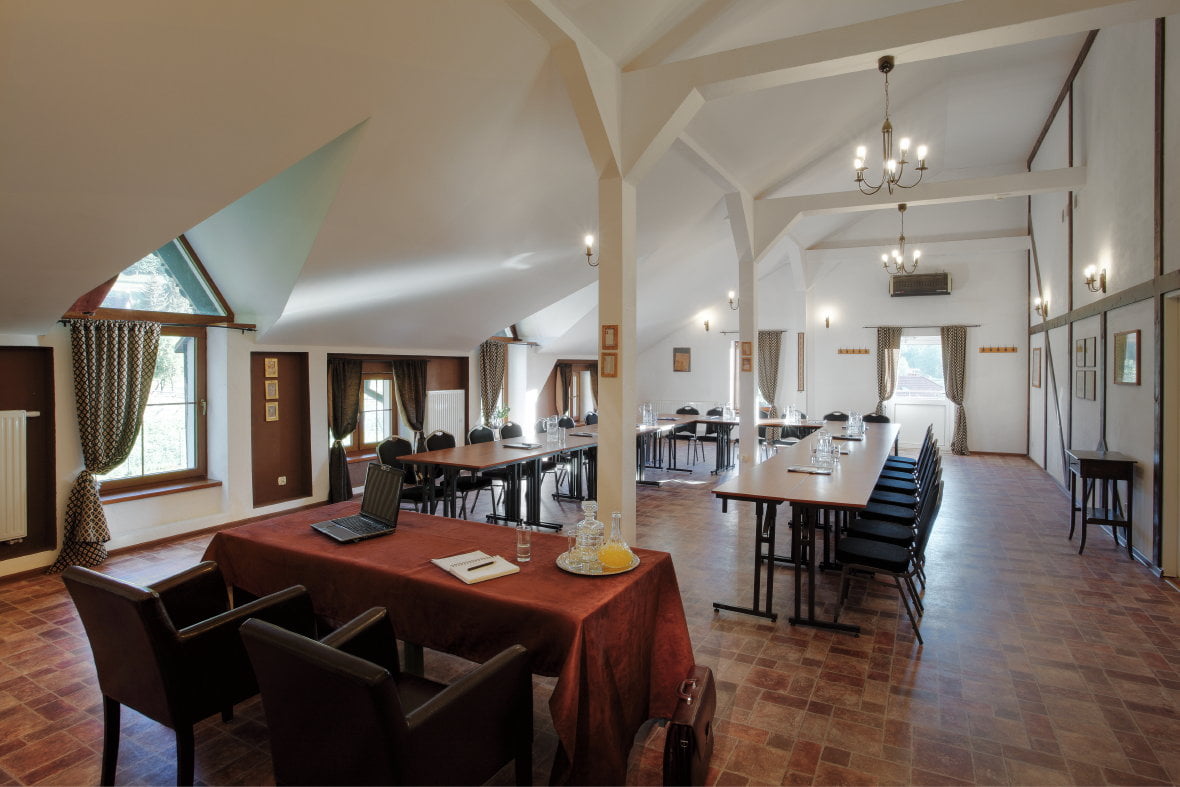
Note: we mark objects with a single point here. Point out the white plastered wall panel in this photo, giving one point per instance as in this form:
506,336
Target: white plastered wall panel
1084,412
1058,404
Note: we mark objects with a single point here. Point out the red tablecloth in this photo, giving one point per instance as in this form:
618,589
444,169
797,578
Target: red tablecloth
619,645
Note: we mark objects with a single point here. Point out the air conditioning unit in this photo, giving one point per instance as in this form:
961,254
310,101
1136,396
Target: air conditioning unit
920,284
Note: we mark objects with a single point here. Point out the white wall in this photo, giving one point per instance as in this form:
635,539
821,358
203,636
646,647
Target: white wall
989,291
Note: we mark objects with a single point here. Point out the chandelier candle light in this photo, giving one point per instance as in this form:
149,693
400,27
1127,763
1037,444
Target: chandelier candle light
892,168
895,263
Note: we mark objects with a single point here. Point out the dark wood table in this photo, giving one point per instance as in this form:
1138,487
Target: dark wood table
619,645
1099,474
770,484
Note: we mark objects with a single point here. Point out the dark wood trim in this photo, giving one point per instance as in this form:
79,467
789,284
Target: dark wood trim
196,258
1160,285
1158,196
1157,486
1065,89
1028,343
156,490
1070,196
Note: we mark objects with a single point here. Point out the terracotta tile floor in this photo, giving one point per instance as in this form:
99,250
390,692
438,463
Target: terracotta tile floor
1040,666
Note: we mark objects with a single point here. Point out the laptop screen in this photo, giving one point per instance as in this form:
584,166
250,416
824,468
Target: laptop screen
383,493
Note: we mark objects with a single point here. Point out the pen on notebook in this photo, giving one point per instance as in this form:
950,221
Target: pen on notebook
480,565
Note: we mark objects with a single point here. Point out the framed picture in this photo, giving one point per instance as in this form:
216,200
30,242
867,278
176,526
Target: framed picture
1091,384
272,411
1034,372
272,389
1092,351
1126,358
610,337
1079,385
682,359
271,367
799,363
747,364
1079,353
747,349
608,365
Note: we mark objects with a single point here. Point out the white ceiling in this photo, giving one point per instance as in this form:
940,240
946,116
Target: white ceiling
413,174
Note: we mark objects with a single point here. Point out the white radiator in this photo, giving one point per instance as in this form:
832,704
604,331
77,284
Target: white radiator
14,524
446,410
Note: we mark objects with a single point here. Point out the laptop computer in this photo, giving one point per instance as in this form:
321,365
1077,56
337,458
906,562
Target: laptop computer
380,504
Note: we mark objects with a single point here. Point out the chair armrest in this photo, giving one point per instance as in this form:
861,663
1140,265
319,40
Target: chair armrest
492,705
195,594
289,609
368,636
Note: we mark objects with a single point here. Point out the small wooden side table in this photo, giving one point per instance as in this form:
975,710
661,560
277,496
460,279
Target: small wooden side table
1099,473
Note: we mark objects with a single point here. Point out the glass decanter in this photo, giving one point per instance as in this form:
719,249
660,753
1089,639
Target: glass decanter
614,554
588,537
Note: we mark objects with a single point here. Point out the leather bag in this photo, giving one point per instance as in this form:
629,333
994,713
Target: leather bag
689,744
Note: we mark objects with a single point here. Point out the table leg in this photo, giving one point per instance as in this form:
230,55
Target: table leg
1087,494
1073,503
805,536
764,533
1130,509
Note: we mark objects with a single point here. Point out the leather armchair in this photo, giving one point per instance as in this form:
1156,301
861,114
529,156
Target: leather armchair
340,711
171,650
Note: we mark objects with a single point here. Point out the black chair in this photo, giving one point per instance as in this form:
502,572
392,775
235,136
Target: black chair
340,711
415,491
591,419
481,434
875,418
687,433
712,431
836,415
867,556
170,650
465,483
511,429
789,435
565,422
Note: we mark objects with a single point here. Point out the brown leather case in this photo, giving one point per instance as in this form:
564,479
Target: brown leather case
689,744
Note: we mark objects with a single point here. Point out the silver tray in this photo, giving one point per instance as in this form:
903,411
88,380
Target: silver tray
563,564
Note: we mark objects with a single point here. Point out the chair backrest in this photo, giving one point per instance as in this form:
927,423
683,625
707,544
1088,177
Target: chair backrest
391,449
333,718
541,426
481,434
926,519
565,422
591,419
875,418
134,643
439,439
688,409
713,411
511,429
836,415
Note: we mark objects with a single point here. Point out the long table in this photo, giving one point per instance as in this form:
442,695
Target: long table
618,645
770,484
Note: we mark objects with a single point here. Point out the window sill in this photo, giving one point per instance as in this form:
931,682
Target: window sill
156,490
367,456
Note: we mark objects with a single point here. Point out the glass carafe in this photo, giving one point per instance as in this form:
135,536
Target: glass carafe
588,537
614,554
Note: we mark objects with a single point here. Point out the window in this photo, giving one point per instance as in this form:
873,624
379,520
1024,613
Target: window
376,413
167,281
919,370
171,442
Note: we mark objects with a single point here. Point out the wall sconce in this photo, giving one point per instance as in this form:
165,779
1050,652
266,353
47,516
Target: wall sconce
1041,307
732,300
1095,279
706,326
590,251
827,321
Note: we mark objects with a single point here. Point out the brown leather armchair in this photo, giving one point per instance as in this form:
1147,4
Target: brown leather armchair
340,711
171,650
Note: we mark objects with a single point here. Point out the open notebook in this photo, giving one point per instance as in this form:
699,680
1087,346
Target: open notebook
472,567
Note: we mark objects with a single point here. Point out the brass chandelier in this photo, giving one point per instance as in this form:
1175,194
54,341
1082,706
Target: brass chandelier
895,263
893,169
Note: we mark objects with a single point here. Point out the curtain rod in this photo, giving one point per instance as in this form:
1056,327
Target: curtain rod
949,325
780,330
227,326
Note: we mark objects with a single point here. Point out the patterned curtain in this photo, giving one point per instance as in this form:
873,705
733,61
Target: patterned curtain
114,363
769,349
594,384
344,405
954,365
888,351
410,378
565,375
493,361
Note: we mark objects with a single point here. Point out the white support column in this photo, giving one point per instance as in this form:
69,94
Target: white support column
617,403
741,217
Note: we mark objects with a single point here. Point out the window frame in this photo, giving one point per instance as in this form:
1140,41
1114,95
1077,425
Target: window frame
358,445
200,471
898,396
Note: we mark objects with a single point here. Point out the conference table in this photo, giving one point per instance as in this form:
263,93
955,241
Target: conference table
724,426
618,645
771,483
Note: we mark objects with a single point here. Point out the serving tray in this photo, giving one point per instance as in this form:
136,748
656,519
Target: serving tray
563,564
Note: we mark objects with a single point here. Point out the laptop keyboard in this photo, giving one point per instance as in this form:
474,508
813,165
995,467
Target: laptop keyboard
359,525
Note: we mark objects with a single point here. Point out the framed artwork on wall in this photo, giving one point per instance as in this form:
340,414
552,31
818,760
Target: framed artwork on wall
270,367
747,349
799,363
1126,358
682,359
1079,385
1034,371
610,337
747,364
1079,353
272,389
1091,384
272,411
608,365
1092,351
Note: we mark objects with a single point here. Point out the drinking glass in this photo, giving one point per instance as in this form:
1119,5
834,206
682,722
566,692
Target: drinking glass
524,543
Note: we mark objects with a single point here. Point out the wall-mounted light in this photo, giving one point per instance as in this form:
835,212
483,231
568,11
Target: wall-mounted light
590,251
706,326
1041,307
1095,279
827,321
733,300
